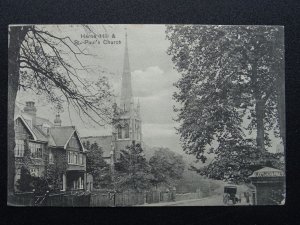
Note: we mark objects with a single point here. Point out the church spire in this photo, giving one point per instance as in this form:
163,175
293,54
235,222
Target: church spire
126,89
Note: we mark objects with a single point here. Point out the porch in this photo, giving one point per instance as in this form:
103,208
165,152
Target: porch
74,180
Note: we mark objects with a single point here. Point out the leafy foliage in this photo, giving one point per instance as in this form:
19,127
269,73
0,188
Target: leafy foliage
24,184
230,87
132,171
166,167
96,165
28,183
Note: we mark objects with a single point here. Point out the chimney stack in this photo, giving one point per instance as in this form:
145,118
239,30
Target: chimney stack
57,121
31,110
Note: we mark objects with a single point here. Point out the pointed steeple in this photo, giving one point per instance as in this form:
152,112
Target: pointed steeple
126,89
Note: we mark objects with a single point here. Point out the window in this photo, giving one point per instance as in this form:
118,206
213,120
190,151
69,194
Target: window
61,182
75,158
119,132
126,128
18,126
80,183
80,159
69,157
18,174
19,148
51,159
36,150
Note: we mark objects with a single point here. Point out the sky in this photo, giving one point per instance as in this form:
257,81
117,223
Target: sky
152,78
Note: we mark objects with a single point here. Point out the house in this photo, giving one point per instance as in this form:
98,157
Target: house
49,145
128,127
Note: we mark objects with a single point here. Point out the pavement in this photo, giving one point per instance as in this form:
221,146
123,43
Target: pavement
215,200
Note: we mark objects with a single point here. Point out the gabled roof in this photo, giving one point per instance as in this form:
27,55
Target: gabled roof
36,133
60,136
40,134
57,137
27,126
103,141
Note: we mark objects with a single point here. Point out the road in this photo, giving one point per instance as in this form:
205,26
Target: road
216,200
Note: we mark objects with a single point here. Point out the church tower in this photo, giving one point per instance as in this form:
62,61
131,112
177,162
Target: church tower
128,125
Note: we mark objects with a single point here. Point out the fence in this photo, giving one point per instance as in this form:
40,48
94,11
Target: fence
103,198
129,199
117,199
152,197
21,199
60,199
188,196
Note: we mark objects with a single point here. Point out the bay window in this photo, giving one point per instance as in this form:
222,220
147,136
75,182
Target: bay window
36,150
19,148
75,158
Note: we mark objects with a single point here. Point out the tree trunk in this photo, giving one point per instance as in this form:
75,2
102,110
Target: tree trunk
16,37
281,90
281,107
259,107
260,113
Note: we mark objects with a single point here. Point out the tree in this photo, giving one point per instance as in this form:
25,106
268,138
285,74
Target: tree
24,184
50,65
167,167
231,76
132,171
96,165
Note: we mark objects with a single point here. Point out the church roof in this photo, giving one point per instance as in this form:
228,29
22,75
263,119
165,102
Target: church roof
126,88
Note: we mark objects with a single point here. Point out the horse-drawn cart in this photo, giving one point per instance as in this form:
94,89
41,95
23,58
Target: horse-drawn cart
230,195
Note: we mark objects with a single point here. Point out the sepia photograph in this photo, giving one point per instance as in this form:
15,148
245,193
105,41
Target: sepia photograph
118,115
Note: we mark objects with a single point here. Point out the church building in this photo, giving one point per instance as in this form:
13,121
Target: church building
128,124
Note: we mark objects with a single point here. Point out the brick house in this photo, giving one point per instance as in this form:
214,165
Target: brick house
50,146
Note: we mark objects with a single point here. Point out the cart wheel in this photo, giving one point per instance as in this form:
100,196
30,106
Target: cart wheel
233,201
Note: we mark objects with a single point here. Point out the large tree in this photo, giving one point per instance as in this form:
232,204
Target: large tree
96,165
50,64
231,86
167,167
132,171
